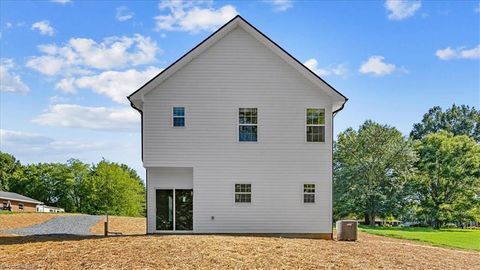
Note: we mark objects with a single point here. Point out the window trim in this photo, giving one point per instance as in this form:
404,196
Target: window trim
184,116
315,125
21,206
235,193
314,193
238,124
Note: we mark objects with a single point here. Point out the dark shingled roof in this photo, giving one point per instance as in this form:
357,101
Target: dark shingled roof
17,197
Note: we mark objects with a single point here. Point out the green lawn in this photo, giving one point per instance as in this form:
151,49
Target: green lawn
457,238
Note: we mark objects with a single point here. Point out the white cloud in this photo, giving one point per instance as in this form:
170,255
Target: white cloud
124,14
280,5
375,65
43,27
80,55
61,1
114,84
401,9
26,142
338,70
12,138
9,81
459,53
95,118
193,16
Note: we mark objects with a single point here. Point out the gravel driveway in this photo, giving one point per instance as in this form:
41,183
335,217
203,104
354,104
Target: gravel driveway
71,224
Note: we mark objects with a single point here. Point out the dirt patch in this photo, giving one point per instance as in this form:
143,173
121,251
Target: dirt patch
123,225
22,220
225,252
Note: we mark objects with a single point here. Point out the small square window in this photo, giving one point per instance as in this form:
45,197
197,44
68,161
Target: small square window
309,193
178,116
20,206
243,193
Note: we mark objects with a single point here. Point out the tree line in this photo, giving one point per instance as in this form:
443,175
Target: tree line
431,177
76,186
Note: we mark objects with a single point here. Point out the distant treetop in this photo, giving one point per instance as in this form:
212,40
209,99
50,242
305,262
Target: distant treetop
459,120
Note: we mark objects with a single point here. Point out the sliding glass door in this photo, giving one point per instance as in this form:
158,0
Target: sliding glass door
174,209
164,215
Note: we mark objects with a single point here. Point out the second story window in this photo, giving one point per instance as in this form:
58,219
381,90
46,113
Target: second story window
315,122
178,116
247,124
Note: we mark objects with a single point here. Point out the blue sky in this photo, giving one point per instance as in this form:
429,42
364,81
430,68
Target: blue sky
66,66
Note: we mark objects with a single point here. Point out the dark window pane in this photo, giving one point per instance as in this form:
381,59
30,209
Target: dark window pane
164,209
309,188
308,198
315,134
247,133
183,209
243,198
178,111
247,115
178,121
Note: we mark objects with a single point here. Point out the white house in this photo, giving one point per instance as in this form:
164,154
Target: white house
237,138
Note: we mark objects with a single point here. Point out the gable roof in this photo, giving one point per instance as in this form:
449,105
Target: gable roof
136,98
12,196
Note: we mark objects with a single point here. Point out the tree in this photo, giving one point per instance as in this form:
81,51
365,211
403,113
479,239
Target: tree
448,178
81,172
9,168
459,120
51,183
111,188
371,167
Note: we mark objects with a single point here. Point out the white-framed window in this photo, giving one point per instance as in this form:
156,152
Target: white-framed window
309,193
178,114
20,206
247,124
243,193
315,125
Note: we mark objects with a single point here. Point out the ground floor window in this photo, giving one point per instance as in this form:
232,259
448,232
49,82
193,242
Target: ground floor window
309,193
243,193
20,206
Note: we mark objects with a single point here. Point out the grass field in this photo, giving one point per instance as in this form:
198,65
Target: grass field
457,238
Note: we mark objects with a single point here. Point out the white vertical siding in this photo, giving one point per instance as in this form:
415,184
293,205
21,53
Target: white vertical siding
238,71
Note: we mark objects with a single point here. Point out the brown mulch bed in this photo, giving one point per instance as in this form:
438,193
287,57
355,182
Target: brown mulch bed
226,252
22,220
123,225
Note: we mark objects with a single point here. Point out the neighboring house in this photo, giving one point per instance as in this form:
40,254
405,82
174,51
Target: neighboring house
49,209
18,203
237,138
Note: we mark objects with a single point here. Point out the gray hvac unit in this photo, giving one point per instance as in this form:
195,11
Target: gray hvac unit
346,230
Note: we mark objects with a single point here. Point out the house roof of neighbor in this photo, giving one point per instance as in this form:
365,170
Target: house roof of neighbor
136,98
17,197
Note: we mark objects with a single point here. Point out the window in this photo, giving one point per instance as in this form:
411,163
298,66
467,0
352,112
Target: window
309,193
315,125
243,193
178,116
20,206
247,124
